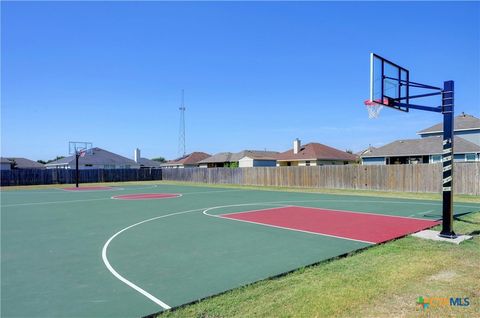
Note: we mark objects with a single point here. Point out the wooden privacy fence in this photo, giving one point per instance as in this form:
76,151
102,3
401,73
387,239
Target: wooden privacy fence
52,176
404,178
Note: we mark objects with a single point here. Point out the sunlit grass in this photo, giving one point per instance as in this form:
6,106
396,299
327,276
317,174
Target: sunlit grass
382,281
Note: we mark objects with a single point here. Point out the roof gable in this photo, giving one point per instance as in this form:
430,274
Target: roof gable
190,159
423,146
144,162
461,122
23,163
99,156
316,151
233,157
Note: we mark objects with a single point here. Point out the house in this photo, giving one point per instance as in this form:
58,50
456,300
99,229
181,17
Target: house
144,162
365,151
424,150
253,159
188,161
245,158
19,163
218,160
5,164
465,126
314,154
98,159
428,149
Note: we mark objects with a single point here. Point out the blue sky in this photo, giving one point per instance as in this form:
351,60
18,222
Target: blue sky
256,74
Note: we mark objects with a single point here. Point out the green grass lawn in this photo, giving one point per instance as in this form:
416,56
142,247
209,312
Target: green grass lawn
382,281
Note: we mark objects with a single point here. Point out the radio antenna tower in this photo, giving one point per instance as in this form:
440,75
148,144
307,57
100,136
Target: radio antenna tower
181,134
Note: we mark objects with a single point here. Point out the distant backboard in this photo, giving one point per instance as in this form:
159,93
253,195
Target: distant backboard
389,83
77,147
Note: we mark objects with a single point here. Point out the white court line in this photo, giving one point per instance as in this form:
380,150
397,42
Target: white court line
126,281
73,190
286,201
388,202
42,191
119,197
123,279
158,301
132,187
52,202
368,213
225,216
208,192
177,195
424,213
87,200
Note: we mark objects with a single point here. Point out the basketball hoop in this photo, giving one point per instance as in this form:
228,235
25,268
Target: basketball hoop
373,108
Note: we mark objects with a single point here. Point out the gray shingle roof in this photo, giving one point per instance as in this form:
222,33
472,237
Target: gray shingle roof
424,146
233,157
255,154
218,157
461,122
365,151
99,156
24,163
144,162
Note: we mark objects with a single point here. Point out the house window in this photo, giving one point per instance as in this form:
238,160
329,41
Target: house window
459,157
436,158
88,165
470,157
307,163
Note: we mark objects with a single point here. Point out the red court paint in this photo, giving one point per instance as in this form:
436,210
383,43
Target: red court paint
92,188
146,196
367,227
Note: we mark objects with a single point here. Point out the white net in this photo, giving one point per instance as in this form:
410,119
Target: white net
373,109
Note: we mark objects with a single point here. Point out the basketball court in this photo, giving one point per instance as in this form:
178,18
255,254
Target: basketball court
137,250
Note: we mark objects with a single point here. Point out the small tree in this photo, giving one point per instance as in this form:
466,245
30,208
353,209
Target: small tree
231,165
160,159
56,158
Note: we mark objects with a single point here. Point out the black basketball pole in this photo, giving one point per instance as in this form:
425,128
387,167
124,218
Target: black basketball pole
77,174
447,159
447,109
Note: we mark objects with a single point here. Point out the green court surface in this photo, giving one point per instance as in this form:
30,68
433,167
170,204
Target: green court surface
85,254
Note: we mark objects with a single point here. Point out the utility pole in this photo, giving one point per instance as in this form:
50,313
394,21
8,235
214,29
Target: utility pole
181,134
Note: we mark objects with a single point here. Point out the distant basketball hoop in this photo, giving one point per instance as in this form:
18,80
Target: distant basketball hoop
79,149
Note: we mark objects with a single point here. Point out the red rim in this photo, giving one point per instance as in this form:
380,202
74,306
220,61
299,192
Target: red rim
377,102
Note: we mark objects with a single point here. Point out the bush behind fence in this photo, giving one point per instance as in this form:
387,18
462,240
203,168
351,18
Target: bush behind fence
403,178
54,176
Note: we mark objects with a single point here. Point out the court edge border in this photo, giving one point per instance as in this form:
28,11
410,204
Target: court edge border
167,307
174,196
